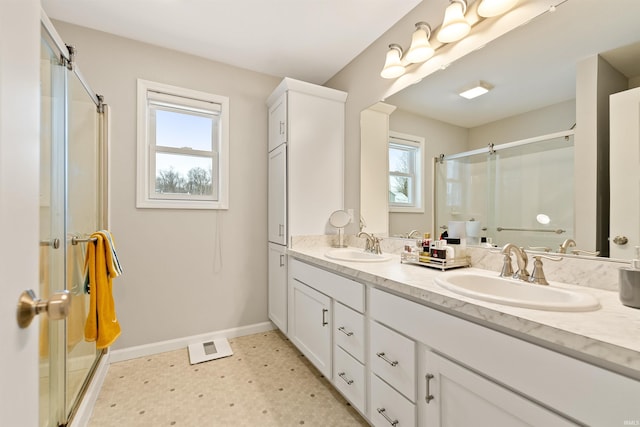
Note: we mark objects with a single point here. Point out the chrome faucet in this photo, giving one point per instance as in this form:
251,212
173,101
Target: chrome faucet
372,244
521,258
568,243
412,234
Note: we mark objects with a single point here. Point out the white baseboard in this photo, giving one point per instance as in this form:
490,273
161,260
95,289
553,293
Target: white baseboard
176,344
85,409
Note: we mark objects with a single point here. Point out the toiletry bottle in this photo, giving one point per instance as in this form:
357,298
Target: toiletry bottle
426,243
629,280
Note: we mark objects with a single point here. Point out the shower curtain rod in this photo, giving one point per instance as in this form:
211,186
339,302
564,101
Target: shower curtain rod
492,148
64,51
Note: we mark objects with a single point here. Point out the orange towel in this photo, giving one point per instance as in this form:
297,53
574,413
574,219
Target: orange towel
102,323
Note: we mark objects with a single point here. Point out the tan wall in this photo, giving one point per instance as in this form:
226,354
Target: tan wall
173,285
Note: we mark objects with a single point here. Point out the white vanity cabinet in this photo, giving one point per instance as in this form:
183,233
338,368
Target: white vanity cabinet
466,366
310,328
326,323
305,168
456,396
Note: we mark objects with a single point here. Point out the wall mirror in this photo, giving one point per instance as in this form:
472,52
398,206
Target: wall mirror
533,71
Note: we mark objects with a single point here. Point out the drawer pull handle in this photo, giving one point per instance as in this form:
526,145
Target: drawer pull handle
324,319
386,359
341,329
382,411
280,230
344,377
281,260
429,396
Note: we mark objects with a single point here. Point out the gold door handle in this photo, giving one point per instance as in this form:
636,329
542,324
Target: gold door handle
29,307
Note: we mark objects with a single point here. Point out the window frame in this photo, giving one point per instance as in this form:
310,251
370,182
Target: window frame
146,197
415,143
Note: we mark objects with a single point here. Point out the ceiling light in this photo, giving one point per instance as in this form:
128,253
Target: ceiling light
455,26
420,49
392,66
475,90
490,8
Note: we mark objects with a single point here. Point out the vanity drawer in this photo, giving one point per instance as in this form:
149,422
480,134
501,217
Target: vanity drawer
388,407
349,378
349,330
349,292
393,358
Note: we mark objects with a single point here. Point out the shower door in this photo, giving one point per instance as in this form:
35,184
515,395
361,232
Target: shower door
70,210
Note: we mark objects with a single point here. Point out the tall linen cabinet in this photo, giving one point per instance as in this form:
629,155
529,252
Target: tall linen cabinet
306,174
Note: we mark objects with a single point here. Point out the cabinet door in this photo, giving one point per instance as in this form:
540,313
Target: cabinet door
278,286
277,195
460,397
310,328
278,122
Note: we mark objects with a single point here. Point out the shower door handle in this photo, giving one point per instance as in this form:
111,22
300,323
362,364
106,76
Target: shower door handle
29,307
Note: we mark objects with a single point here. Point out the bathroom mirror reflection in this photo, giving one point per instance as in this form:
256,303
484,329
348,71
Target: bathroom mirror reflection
583,51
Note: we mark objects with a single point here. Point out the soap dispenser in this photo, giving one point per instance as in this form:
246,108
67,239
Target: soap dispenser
629,280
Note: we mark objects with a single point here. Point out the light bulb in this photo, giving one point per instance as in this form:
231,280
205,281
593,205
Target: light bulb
455,26
392,66
420,49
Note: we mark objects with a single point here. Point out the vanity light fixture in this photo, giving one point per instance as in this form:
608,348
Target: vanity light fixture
420,49
476,89
491,8
455,26
393,66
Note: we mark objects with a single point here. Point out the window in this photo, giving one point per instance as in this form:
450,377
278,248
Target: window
183,148
405,173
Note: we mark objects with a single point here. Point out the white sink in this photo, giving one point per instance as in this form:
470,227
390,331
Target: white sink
516,293
356,255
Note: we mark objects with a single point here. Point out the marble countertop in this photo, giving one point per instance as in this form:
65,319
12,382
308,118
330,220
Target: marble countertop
608,337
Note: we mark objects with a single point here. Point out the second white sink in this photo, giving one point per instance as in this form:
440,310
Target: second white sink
516,293
355,255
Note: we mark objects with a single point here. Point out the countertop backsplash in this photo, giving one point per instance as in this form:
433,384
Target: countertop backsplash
593,272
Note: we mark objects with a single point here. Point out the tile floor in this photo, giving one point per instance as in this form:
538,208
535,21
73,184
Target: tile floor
267,382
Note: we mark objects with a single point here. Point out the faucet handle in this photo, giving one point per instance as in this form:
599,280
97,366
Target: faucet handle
537,275
376,245
507,268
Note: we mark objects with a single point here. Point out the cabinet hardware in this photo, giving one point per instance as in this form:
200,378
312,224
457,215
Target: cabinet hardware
386,359
324,319
344,377
280,230
620,240
281,128
281,260
341,329
429,396
382,411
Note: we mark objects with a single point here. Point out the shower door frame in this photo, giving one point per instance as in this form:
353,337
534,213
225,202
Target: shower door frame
62,407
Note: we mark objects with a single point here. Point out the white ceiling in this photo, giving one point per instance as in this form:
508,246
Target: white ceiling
309,40
532,66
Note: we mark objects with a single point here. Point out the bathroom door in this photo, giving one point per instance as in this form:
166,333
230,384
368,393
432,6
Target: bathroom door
624,174
19,98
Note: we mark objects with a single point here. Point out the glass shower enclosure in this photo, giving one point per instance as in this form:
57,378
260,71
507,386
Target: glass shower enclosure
519,192
72,206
